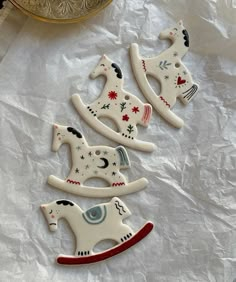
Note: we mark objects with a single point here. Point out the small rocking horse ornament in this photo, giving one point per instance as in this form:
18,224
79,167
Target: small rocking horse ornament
115,103
168,69
101,222
93,162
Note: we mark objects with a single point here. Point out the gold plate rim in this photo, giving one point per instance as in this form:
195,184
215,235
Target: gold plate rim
60,21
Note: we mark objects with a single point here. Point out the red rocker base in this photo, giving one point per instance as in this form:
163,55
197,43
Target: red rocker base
72,260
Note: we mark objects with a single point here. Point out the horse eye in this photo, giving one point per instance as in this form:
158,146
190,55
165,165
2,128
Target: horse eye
102,65
58,133
50,212
175,29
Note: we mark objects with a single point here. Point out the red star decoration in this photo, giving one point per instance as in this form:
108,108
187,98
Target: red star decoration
112,95
125,117
135,110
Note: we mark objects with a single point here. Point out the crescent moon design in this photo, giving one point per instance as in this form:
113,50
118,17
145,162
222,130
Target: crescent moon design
106,163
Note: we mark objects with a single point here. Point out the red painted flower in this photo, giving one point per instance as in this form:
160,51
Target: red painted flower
135,110
112,95
125,117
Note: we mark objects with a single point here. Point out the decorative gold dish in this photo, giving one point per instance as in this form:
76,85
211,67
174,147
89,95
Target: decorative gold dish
61,11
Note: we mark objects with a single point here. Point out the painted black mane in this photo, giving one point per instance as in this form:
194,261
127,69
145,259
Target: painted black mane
65,203
117,70
74,131
186,38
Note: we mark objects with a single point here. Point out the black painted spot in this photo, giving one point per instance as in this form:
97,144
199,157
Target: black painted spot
74,132
65,203
117,70
186,37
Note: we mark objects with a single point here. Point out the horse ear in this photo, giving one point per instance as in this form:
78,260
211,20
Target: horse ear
180,22
104,56
55,126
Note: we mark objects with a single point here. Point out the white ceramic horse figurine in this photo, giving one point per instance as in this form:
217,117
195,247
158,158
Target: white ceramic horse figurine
125,109
93,162
90,227
168,69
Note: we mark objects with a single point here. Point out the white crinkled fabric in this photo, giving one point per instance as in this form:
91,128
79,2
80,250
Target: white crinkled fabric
191,196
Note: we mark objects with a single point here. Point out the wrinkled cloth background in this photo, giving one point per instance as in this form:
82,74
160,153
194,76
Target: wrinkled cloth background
191,196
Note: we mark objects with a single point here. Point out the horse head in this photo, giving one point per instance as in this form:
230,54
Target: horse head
102,67
54,211
106,67
65,134
176,32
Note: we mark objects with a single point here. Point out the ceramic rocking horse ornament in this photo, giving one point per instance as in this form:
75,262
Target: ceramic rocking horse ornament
93,162
168,69
115,103
90,227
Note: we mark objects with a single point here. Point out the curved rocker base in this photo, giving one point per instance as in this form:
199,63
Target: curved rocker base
97,192
166,113
108,132
149,93
72,260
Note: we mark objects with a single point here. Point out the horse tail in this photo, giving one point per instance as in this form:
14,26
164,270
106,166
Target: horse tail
147,113
120,208
123,157
187,96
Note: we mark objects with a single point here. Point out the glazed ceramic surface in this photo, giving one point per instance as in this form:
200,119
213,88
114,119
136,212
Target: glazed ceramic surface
93,162
100,222
168,68
125,109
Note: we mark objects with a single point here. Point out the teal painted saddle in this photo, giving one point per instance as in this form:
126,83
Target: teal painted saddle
95,215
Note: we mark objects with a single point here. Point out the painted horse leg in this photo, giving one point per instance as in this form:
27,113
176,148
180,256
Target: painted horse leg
124,233
84,247
75,177
118,179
